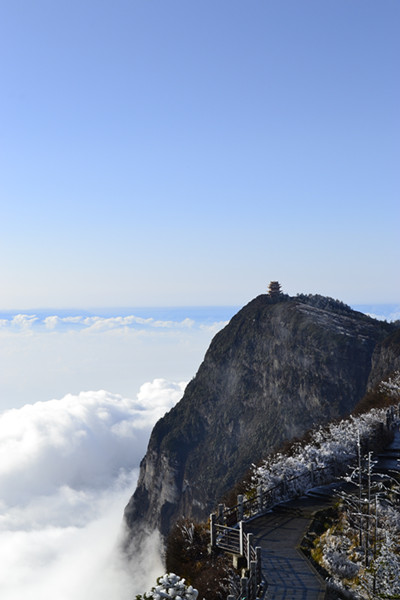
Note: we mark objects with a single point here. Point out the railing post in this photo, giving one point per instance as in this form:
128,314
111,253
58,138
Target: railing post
253,578
259,498
249,546
312,476
212,530
221,510
240,508
244,588
258,561
241,541
266,499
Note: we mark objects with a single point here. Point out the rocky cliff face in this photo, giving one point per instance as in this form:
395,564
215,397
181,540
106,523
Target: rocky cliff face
385,359
281,366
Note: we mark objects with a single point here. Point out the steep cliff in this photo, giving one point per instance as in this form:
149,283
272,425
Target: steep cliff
385,359
281,366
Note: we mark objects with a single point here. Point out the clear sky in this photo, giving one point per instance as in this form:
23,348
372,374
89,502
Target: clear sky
183,152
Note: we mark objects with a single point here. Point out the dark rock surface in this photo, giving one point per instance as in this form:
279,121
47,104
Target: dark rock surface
385,359
281,366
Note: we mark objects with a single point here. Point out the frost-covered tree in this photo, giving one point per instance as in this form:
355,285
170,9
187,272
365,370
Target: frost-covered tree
170,587
339,552
392,386
335,556
362,549
387,567
329,452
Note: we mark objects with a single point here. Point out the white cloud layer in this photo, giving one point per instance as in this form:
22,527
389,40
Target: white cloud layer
46,355
94,323
67,469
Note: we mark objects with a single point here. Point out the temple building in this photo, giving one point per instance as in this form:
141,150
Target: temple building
274,289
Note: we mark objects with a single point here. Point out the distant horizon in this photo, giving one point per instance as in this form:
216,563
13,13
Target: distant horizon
125,307
218,312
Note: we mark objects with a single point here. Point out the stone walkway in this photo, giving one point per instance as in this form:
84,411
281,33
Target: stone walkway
289,574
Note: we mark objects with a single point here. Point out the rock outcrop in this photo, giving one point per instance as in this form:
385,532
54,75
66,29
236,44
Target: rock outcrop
281,366
385,359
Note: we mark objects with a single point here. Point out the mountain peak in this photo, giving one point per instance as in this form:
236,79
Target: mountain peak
281,366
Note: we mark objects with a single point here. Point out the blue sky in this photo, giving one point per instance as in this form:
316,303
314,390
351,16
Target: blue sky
185,153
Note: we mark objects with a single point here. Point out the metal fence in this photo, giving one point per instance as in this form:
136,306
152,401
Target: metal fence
226,526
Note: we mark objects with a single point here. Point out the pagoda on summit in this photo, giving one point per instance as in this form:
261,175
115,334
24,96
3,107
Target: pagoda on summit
274,289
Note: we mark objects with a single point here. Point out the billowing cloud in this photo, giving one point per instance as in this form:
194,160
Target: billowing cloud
80,560
104,323
51,322
82,441
94,323
173,324
60,353
67,469
213,328
23,321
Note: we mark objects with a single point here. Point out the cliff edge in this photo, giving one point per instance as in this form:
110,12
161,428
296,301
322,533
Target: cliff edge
281,366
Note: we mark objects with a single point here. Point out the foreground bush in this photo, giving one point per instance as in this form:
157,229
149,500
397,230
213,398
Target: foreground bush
170,587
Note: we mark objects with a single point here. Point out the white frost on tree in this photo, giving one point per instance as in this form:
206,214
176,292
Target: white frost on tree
170,587
330,449
335,556
387,567
371,568
392,386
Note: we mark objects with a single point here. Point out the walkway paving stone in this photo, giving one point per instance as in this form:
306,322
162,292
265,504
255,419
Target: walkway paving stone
289,574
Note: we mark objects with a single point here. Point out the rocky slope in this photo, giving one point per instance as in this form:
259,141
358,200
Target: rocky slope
281,366
385,359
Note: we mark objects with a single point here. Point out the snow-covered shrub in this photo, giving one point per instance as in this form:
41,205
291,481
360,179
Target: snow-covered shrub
328,453
392,386
387,567
170,587
361,550
335,556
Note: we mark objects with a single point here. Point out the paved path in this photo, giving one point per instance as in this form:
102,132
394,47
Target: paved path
289,574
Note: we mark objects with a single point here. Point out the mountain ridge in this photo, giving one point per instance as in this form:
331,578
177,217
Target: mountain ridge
281,366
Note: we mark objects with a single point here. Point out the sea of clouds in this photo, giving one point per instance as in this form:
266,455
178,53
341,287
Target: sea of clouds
45,355
69,459
67,469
